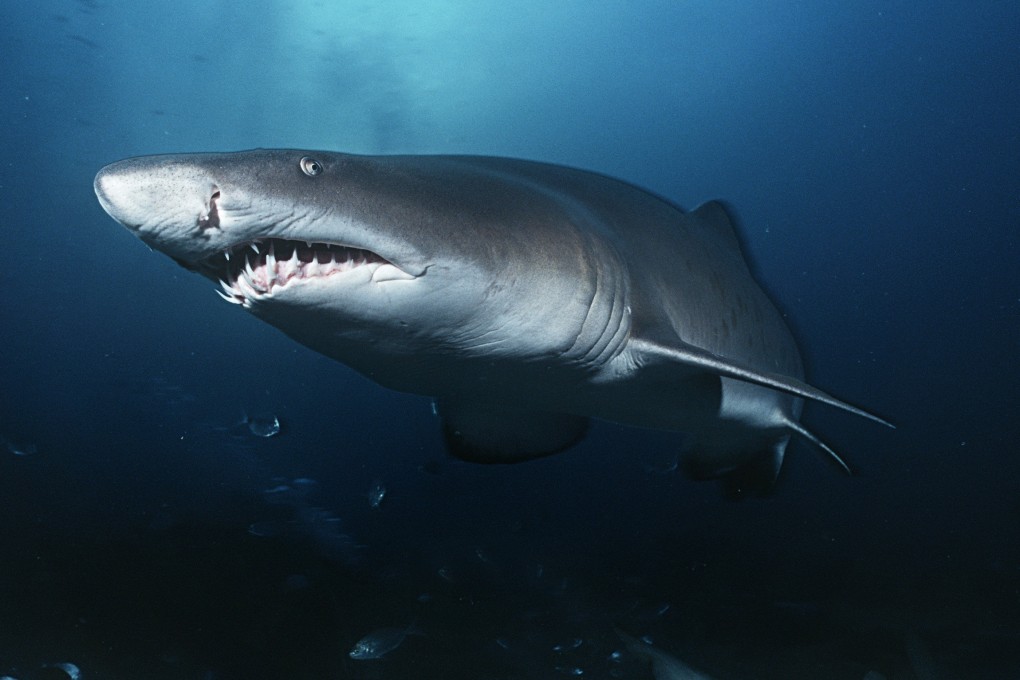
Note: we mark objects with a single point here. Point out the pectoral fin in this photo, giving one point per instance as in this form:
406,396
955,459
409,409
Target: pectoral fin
652,356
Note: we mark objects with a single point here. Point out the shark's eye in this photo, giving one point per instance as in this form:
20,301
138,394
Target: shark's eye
310,166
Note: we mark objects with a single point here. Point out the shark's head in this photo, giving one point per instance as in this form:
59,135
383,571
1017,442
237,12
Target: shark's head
370,260
230,217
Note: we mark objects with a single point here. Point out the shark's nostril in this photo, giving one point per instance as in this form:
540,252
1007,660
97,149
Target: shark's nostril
211,218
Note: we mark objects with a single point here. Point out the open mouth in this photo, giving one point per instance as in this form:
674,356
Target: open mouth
253,270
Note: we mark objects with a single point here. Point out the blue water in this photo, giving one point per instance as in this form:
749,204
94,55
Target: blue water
872,153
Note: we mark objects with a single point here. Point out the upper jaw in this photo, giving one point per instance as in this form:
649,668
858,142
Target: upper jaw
254,270
209,222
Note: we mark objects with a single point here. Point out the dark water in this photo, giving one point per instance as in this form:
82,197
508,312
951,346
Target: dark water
872,152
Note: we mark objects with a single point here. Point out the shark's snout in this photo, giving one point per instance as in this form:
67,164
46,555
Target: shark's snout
215,224
110,190
160,202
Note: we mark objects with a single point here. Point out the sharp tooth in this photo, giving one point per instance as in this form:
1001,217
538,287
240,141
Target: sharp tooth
255,247
271,263
312,268
284,269
227,287
249,275
246,287
229,298
226,254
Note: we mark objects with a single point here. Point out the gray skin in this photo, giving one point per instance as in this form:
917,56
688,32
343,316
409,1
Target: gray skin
525,297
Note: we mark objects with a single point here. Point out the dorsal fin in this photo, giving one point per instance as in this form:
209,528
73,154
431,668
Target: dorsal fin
714,216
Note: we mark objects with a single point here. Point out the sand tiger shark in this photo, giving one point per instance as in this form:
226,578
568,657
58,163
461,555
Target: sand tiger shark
525,298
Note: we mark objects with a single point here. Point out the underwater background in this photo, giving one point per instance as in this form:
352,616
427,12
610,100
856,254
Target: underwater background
149,529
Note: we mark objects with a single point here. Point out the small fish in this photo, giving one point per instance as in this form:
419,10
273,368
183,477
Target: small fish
663,466
266,529
664,666
18,449
574,644
266,425
380,642
69,670
376,495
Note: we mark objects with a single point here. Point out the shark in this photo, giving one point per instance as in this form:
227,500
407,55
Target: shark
525,298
